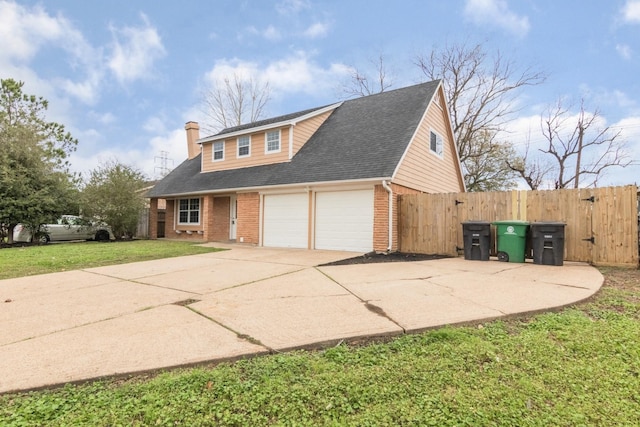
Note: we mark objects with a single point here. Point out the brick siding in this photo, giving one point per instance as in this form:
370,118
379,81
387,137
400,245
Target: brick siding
381,216
248,224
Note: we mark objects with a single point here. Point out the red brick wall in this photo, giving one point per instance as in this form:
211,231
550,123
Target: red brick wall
248,224
153,219
381,216
207,217
218,227
169,218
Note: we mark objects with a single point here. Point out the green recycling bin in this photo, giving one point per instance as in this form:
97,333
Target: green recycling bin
512,240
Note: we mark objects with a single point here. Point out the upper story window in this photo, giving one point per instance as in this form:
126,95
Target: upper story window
436,143
218,151
189,211
273,142
244,146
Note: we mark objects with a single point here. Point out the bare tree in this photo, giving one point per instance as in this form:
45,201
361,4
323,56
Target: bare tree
534,171
580,145
362,84
481,92
233,101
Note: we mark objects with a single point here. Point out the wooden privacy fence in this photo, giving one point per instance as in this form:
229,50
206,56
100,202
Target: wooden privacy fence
601,223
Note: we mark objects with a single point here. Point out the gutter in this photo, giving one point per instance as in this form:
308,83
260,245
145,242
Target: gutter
264,187
386,186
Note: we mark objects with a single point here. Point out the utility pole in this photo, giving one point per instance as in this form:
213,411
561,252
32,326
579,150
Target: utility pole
164,162
580,137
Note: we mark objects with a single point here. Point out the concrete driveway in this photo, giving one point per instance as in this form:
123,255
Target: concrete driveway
97,322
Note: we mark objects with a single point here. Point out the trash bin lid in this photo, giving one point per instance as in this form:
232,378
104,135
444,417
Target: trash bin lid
476,223
511,222
556,223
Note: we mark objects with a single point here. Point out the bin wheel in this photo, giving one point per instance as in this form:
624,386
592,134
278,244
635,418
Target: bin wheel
503,256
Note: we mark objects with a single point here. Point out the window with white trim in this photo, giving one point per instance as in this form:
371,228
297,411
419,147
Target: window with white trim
272,142
244,146
218,151
189,211
435,143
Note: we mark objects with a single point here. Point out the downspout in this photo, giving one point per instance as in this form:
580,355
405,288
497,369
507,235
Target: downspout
386,186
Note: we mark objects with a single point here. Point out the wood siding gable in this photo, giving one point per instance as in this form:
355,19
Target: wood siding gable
421,168
292,138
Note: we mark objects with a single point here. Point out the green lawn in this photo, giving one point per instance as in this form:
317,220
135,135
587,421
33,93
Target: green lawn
29,260
580,366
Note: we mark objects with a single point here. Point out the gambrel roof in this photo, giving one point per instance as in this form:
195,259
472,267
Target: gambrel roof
363,139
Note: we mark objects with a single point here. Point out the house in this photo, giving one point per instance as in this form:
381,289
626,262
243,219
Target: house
323,178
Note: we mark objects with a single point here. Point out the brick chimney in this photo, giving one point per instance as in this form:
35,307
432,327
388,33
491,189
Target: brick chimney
193,135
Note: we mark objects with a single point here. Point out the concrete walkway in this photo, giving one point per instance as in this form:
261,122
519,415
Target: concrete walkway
97,322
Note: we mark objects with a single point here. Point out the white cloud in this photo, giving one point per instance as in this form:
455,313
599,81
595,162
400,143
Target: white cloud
148,158
288,7
105,119
610,99
316,30
25,31
134,51
624,50
271,33
496,12
298,73
155,124
226,68
293,74
87,91
631,11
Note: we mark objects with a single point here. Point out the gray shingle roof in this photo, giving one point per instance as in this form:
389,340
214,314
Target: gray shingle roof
269,121
364,138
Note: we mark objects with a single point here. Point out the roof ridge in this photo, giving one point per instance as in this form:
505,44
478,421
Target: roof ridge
293,115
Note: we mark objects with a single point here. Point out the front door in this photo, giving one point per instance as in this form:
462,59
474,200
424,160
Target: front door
233,215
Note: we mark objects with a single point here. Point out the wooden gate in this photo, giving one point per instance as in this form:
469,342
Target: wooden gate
601,223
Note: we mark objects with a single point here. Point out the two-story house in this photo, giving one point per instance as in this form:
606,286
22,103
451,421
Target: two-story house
323,178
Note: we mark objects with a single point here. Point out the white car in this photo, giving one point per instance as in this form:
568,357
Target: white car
68,227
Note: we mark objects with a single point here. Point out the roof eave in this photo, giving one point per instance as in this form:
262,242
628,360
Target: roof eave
276,186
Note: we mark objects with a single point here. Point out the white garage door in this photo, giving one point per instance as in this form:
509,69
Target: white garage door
286,219
344,220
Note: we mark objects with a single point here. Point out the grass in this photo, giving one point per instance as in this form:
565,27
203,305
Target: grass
580,366
51,258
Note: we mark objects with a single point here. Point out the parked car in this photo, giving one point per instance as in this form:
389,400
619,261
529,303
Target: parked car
68,227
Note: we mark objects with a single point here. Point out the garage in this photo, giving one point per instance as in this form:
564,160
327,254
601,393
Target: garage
344,220
286,220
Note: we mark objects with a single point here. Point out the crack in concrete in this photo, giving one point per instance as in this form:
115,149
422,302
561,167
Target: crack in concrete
240,335
256,281
371,307
565,285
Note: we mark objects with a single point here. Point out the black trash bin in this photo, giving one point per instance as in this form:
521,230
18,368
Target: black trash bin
477,240
547,241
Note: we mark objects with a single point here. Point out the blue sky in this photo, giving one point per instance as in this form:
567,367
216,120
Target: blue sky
125,76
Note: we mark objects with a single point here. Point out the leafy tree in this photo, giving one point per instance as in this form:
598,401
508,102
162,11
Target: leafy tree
480,90
489,170
35,183
112,194
233,101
